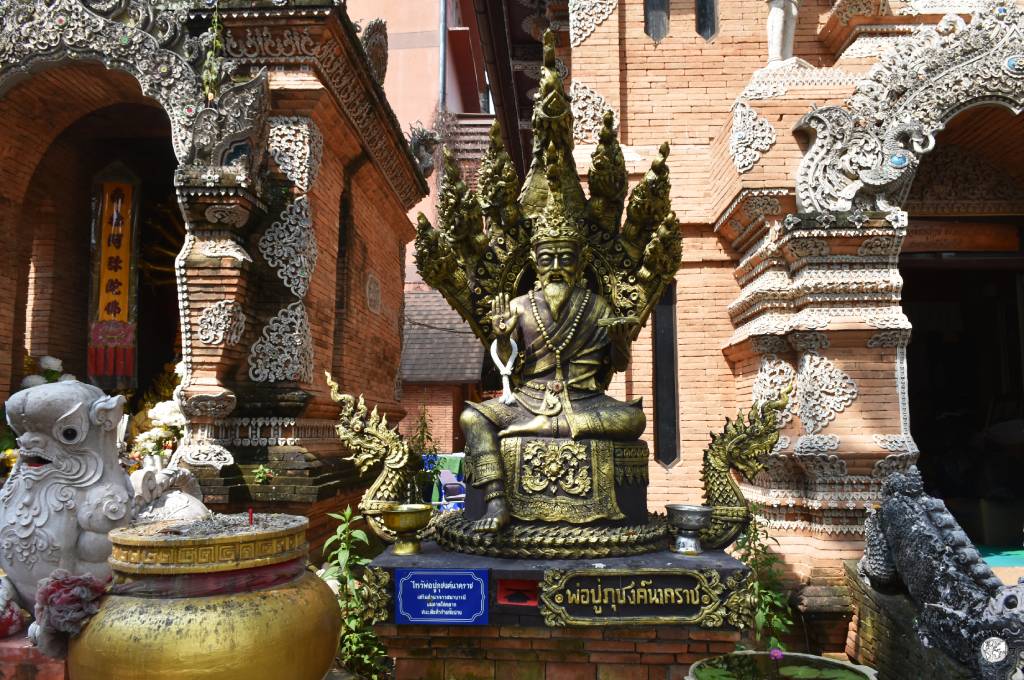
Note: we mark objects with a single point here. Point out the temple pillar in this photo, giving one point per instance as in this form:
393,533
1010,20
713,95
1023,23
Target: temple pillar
215,304
819,314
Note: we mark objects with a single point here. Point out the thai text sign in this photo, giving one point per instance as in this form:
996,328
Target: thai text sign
615,597
441,596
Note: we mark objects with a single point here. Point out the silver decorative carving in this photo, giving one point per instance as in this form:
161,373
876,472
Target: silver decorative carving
219,405
374,38
265,431
752,135
895,443
285,348
769,344
222,322
588,109
297,147
821,465
879,246
394,158
202,455
808,247
822,391
773,376
894,462
816,443
915,7
844,10
808,341
891,338
225,248
585,16
865,153
230,215
289,245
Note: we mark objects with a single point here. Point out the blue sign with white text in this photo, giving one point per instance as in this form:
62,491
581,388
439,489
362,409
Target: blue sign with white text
441,596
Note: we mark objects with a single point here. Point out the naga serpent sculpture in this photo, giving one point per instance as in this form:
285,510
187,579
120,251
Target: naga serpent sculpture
371,442
742,445
964,609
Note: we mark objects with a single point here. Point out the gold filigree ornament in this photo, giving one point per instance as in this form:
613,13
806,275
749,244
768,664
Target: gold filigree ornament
550,466
377,595
560,480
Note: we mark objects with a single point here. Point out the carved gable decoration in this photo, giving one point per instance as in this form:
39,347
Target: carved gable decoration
865,153
375,43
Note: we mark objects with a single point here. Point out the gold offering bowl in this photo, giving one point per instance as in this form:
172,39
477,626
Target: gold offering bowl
211,600
407,521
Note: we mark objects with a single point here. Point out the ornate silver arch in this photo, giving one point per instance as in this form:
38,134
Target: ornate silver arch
864,154
154,47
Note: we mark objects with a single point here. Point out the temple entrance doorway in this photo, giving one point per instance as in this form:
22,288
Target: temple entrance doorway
963,290
96,287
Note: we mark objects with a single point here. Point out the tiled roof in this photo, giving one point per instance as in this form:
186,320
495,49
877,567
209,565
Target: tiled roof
439,346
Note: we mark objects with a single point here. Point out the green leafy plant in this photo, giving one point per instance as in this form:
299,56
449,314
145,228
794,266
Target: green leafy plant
214,56
422,443
772,615
360,650
262,474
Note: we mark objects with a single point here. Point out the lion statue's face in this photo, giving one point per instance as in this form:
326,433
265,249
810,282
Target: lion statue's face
58,424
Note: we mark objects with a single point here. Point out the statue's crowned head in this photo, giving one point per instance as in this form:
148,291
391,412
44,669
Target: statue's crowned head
558,248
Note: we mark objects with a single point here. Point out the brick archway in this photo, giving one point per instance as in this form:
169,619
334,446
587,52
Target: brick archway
218,131
37,110
864,155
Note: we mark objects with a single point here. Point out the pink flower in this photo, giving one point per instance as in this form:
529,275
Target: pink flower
775,654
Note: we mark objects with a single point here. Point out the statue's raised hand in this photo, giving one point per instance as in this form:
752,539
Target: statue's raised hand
503,318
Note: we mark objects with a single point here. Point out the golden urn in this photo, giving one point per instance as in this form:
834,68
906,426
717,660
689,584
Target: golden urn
213,599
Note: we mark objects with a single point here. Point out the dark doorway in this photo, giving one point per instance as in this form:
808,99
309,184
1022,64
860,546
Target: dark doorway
138,138
966,386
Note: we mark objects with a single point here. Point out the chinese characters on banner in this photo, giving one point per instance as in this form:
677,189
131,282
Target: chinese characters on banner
112,329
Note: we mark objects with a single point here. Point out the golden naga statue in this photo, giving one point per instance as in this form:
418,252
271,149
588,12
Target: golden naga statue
557,286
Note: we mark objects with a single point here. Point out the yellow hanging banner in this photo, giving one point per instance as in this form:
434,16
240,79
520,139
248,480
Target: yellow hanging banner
115,252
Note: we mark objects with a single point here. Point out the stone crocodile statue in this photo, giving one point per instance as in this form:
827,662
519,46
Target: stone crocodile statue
965,610
68,490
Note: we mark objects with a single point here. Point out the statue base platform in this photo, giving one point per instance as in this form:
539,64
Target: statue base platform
19,659
644,616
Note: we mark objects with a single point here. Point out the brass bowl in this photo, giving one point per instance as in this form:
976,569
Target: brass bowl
407,520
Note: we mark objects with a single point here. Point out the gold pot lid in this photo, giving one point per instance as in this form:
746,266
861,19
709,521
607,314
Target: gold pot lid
217,543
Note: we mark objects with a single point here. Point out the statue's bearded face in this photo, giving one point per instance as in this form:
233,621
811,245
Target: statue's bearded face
557,262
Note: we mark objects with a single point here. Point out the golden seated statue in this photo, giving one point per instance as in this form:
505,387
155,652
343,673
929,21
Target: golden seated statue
558,291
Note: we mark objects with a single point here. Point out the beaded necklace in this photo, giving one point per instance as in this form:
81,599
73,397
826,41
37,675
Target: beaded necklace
568,337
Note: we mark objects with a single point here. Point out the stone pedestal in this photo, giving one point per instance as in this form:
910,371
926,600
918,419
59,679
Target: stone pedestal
19,660
535,630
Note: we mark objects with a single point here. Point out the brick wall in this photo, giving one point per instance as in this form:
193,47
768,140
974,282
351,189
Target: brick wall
501,652
444,404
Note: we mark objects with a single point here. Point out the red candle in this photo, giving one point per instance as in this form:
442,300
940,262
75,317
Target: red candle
250,516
